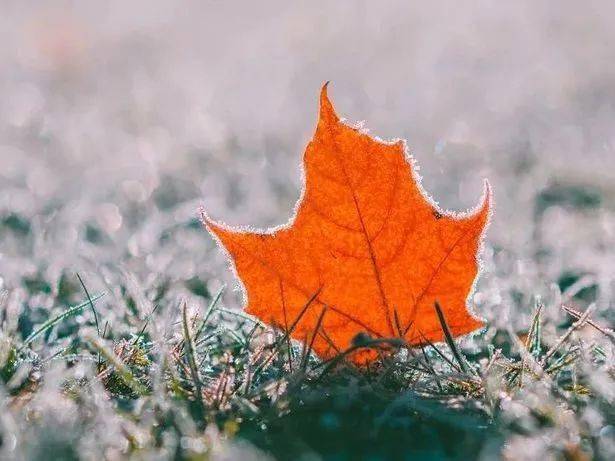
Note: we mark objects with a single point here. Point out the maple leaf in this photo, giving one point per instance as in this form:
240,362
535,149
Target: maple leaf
367,250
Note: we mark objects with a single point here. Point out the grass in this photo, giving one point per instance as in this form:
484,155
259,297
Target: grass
220,378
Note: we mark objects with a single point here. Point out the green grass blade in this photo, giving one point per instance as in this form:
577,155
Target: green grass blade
64,315
210,310
190,353
449,339
87,293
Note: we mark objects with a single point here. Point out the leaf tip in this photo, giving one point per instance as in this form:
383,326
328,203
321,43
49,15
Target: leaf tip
205,220
209,224
486,199
327,112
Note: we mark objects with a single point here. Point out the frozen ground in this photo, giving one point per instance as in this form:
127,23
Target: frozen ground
117,121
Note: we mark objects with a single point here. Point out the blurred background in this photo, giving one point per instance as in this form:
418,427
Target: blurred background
118,120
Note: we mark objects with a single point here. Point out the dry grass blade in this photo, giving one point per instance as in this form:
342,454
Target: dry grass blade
577,315
580,322
397,323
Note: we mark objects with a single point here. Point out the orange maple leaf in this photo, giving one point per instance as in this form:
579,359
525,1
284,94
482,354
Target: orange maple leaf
366,251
